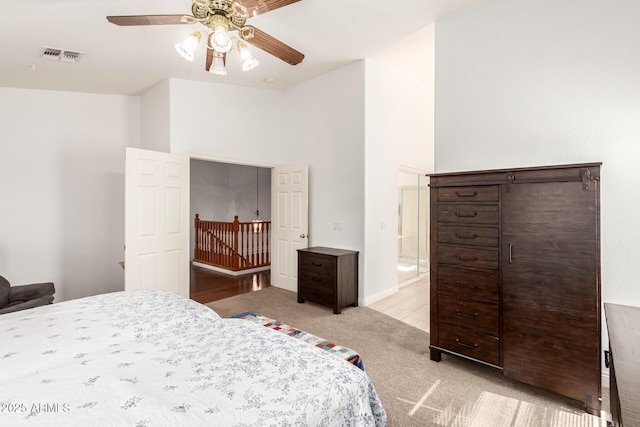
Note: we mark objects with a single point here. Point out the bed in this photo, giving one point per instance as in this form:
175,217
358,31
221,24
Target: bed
152,358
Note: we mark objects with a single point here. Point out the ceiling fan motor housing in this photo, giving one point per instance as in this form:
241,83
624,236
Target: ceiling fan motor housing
214,12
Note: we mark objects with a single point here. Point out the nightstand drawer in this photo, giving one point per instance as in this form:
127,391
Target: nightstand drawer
317,264
320,295
470,343
317,280
472,314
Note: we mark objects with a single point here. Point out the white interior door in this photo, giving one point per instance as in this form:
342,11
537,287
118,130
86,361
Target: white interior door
156,221
289,222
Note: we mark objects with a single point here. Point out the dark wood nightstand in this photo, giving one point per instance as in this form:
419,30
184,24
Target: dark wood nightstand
328,276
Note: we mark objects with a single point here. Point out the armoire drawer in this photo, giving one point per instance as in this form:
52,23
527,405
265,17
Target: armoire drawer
465,235
471,343
468,257
472,314
468,284
468,214
476,193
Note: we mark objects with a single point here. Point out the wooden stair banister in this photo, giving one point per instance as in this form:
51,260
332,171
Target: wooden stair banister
234,246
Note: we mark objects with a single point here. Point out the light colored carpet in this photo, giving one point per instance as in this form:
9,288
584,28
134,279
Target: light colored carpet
414,390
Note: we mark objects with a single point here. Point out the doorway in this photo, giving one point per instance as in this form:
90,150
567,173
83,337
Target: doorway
220,191
157,205
413,214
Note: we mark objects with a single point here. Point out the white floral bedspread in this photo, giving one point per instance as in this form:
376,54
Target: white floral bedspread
152,358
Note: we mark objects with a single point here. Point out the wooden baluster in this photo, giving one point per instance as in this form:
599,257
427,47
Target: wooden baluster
226,246
245,241
256,249
264,224
268,243
211,242
230,262
196,226
253,246
246,245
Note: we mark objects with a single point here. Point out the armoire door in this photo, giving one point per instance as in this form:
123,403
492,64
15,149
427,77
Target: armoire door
550,287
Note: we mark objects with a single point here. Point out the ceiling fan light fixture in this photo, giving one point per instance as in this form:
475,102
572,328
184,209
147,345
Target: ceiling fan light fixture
217,66
219,39
187,47
222,20
248,60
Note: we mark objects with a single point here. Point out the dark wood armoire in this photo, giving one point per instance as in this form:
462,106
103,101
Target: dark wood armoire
515,274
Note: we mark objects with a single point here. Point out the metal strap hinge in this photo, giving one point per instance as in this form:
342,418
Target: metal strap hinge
510,178
587,179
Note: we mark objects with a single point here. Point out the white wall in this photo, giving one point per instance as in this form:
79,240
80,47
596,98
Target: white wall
155,118
62,192
522,83
399,135
325,128
228,122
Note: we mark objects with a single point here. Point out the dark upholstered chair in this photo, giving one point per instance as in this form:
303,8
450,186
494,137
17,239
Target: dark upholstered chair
15,298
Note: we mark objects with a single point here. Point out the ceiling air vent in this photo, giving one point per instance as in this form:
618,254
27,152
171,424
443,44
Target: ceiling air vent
64,55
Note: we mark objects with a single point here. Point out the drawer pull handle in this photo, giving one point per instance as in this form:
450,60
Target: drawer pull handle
460,285
466,214
465,259
316,264
459,313
464,344
471,237
470,194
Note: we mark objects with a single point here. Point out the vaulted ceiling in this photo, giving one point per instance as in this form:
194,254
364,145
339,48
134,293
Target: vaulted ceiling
128,60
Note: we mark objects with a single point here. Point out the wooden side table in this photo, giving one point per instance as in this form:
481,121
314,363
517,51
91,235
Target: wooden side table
328,276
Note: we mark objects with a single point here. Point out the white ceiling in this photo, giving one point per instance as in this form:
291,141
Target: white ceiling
129,60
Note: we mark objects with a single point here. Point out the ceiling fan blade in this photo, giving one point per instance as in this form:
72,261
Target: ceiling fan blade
269,44
209,59
257,7
148,19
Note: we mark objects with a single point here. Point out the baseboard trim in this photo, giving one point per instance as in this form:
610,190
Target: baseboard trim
230,272
377,297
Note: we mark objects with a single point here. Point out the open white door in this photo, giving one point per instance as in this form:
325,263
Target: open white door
156,221
289,222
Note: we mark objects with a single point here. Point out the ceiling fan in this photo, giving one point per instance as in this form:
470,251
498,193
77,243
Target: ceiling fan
221,17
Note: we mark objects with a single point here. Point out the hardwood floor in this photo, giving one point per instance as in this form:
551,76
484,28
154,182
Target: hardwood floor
410,304
208,285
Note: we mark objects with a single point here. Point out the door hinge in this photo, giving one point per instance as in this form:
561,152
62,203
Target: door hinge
510,178
587,179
